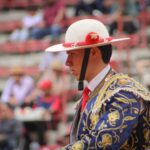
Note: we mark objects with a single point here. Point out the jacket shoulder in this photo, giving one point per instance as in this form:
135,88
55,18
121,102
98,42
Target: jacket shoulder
117,83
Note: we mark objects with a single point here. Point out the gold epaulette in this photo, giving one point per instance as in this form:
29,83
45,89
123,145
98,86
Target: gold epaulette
116,83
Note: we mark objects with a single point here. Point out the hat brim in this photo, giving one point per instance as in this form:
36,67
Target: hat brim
60,47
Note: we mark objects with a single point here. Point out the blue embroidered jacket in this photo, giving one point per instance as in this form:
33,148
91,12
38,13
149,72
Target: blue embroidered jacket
116,117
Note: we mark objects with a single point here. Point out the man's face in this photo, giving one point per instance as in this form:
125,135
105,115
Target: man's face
17,78
74,61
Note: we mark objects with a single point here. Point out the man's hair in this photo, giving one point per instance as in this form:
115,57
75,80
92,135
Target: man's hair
106,52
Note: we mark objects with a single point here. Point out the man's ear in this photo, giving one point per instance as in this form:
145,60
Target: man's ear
95,51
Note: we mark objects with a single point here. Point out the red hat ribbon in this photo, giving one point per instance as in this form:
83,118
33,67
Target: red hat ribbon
91,38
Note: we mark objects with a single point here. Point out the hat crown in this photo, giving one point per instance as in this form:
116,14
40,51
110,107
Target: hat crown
78,31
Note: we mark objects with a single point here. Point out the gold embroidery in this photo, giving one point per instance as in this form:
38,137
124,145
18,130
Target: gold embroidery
128,118
102,126
122,82
135,111
111,87
147,135
94,119
125,100
78,146
116,105
125,146
106,141
113,117
91,96
130,144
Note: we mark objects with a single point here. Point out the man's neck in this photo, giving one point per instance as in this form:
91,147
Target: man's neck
96,71
98,78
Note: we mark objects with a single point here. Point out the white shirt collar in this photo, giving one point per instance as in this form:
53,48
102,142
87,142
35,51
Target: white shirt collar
98,78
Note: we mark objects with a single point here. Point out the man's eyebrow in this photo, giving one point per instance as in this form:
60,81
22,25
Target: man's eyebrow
70,52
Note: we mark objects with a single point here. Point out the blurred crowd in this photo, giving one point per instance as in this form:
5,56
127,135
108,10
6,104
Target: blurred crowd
38,103
46,20
31,107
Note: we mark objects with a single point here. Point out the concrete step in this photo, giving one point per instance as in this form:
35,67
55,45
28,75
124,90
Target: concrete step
12,15
30,59
2,84
4,38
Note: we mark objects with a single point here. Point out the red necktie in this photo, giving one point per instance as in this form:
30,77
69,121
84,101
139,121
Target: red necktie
85,97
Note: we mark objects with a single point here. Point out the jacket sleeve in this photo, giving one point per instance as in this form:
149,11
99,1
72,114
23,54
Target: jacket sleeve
112,126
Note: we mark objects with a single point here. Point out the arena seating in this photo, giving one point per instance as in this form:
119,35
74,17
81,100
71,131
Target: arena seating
22,4
24,47
31,70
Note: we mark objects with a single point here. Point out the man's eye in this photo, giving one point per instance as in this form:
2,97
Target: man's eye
71,54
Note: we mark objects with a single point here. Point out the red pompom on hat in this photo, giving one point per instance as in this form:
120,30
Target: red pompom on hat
45,84
92,38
